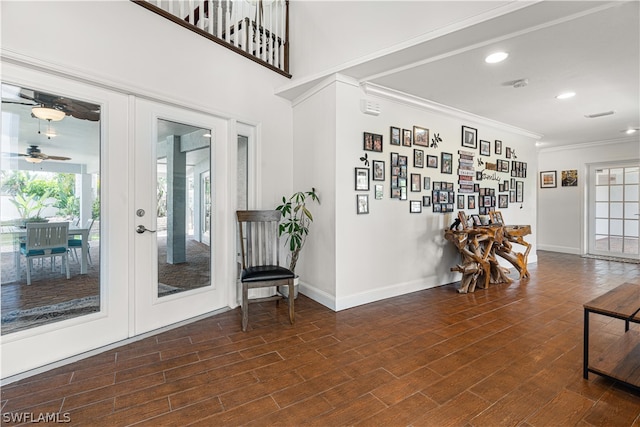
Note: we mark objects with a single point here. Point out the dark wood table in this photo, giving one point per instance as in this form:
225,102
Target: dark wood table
621,361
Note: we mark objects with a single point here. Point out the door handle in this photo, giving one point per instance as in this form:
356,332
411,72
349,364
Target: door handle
141,229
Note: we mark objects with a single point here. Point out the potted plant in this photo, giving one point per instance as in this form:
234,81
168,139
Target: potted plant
294,225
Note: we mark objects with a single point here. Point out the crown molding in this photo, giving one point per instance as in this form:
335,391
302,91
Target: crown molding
425,104
583,145
335,78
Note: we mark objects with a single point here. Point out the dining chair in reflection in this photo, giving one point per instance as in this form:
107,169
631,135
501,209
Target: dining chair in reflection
46,240
75,244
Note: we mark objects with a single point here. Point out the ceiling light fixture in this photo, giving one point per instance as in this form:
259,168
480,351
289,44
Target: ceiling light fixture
630,131
33,159
49,114
566,95
496,57
604,113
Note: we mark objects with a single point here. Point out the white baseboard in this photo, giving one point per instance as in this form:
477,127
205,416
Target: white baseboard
349,301
561,249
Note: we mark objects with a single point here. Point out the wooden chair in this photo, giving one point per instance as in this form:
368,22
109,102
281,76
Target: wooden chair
46,240
75,244
260,243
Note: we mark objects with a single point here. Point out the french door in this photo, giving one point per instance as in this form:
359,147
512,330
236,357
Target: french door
179,180
108,320
614,220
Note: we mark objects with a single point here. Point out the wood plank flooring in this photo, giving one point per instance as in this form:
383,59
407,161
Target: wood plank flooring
509,355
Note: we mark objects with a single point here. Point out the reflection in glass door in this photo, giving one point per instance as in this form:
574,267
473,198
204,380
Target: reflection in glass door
50,175
184,257
614,221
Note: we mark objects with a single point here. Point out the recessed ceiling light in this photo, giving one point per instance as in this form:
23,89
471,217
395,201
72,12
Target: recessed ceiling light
566,95
496,57
630,131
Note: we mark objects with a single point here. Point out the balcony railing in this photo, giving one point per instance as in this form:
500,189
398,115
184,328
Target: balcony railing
256,29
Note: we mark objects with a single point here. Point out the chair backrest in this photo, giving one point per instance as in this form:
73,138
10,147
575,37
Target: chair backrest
89,224
47,235
259,237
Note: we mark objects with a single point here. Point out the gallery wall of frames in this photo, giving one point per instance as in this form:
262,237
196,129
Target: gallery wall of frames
407,165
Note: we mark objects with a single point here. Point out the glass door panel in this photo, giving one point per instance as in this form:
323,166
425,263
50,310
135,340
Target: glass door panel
614,221
184,257
50,175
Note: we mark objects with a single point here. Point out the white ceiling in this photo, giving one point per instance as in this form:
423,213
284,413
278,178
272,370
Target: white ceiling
591,48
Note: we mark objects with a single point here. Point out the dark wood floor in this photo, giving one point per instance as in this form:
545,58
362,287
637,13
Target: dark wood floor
510,355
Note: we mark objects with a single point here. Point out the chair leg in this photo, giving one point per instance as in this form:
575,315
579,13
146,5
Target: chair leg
245,306
65,261
292,314
29,265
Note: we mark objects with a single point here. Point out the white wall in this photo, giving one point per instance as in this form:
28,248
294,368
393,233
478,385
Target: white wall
390,251
562,211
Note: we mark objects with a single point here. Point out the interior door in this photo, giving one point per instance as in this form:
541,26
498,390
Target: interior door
178,274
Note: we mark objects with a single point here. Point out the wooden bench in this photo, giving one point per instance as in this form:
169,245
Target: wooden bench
621,361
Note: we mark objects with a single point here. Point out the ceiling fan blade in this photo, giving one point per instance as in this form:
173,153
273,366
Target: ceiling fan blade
55,157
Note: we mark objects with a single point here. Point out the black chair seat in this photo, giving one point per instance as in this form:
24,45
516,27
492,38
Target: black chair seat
266,272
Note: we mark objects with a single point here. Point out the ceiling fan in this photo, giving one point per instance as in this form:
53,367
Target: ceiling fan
35,155
70,107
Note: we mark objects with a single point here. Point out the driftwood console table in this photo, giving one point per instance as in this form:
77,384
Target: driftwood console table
621,361
480,246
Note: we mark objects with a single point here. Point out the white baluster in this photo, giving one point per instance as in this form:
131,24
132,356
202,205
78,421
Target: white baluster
201,17
212,11
270,55
228,22
219,23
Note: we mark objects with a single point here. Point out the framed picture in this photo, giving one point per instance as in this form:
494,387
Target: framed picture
512,196
570,178
496,217
519,191
394,159
505,185
437,186
432,161
394,181
415,206
418,158
469,137
403,193
402,160
395,192
407,137
446,160
437,207
498,147
372,142
377,143
547,179
485,148
476,220
426,201
379,190
420,136
402,182
394,137
503,201
362,203
426,184
508,153
471,201
416,182
460,201
362,179
378,170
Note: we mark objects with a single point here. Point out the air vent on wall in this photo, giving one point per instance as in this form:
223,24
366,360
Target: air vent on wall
593,116
370,107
